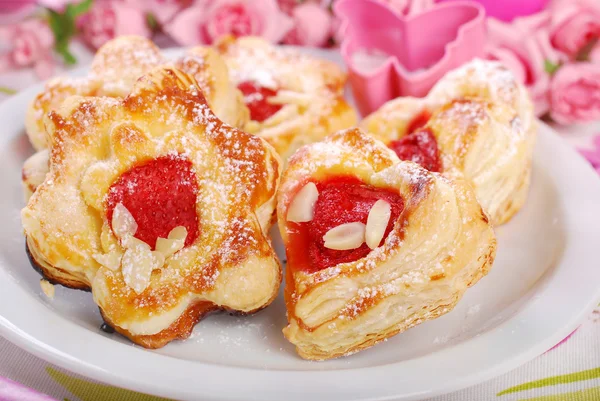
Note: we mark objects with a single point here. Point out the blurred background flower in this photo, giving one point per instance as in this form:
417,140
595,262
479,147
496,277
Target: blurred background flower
553,50
206,20
312,25
575,93
31,45
15,10
107,19
574,24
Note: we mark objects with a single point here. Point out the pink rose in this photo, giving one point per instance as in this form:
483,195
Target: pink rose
312,26
32,45
574,23
576,93
15,5
162,10
524,47
14,11
595,54
287,6
57,5
109,19
206,21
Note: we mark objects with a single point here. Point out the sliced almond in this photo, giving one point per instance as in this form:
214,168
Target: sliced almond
179,232
108,240
345,236
123,223
159,259
377,222
137,264
129,241
302,207
286,97
111,260
175,242
47,288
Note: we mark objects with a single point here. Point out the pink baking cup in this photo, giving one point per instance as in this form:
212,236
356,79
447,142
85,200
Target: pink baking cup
420,48
507,10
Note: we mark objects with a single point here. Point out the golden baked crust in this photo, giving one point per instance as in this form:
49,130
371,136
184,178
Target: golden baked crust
95,140
34,172
441,244
485,127
310,90
210,71
116,67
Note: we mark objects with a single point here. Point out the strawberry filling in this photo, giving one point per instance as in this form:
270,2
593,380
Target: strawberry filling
256,98
160,195
420,147
418,122
341,200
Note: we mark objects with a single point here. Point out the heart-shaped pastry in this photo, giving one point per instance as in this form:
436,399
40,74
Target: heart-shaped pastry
421,48
477,120
374,245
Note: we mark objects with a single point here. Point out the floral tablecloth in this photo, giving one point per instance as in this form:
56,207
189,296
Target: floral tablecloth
568,372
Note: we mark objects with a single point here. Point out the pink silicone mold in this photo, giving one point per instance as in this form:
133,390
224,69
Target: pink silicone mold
507,10
419,49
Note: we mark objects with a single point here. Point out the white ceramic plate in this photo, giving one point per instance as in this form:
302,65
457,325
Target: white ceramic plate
544,281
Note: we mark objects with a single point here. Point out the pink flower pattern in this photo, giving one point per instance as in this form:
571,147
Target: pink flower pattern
574,24
575,93
312,26
593,155
108,19
31,44
206,21
535,47
524,47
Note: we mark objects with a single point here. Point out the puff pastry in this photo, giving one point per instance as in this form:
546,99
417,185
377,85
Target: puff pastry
294,99
374,245
477,120
116,67
158,207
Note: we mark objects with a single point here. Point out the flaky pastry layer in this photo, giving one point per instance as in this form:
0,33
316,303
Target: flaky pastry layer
115,69
310,90
441,244
231,264
485,127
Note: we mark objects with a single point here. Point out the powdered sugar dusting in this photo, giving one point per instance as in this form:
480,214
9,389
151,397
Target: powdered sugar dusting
241,164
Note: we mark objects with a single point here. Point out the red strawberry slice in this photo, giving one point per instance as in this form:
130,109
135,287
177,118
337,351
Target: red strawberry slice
255,97
420,147
341,200
418,122
161,195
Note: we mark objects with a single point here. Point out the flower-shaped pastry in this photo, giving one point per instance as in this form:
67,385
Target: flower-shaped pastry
293,98
374,245
158,207
116,67
477,120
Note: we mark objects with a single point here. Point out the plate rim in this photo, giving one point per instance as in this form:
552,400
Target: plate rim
100,367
